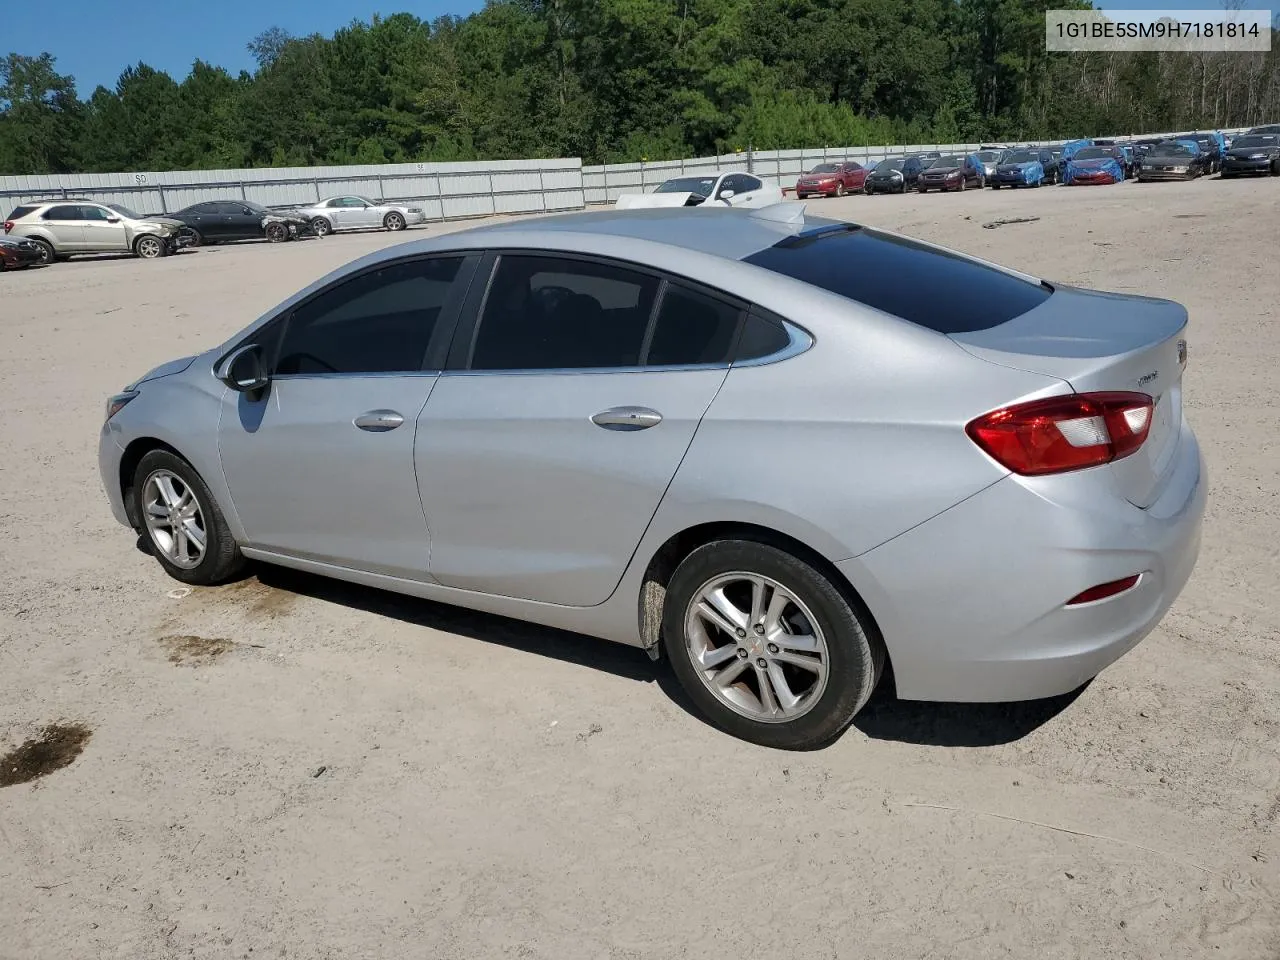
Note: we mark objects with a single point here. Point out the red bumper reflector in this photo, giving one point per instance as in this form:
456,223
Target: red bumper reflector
1104,590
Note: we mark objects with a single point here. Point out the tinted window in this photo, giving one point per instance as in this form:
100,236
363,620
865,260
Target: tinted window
762,336
202,208
1241,142
933,288
944,162
124,211
825,168
97,213
692,327
19,212
62,213
884,166
547,313
378,322
1021,156
853,167
1093,153
699,185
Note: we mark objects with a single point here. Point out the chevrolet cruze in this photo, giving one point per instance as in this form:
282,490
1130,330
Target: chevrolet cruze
787,453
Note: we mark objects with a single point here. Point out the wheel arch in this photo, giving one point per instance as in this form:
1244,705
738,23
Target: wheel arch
663,563
129,460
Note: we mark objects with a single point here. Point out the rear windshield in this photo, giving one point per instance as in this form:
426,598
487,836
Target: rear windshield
19,212
936,289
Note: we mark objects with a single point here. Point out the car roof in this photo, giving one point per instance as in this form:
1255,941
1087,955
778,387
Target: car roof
731,234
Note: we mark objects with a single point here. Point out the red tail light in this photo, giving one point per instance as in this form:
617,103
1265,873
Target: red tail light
8,225
1064,433
1104,590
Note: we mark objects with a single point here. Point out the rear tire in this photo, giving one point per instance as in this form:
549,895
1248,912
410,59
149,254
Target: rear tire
220,558
828,656
321,227
47,253
840,189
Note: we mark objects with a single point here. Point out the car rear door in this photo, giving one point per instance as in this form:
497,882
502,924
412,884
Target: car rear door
66,226
320,467
545,450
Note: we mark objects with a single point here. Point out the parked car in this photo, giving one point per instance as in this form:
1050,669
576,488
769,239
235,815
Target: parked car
1071,148
1059,163
991,158
953,172
65,227
1265,128
18,254
1095,165
356,213
832,180
217,221
1130,160
1173,160
1214,146
1253,153
998,522
733,188
1024,168
898,174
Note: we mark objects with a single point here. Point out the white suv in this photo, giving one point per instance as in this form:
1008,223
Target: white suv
65,227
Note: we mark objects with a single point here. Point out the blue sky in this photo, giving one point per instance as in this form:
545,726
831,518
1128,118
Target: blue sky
94,40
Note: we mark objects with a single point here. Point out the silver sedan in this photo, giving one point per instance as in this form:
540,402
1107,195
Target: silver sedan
784,452
360,213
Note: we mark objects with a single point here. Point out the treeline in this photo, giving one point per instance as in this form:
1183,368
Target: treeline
611,80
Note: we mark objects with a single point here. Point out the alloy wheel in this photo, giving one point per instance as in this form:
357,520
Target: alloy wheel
395,221
756,647
149,248
175,522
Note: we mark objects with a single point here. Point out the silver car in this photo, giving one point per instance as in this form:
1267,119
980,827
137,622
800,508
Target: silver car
359,213
784,452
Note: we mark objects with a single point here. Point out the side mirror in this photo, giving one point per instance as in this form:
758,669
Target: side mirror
243,370
726,194
113,219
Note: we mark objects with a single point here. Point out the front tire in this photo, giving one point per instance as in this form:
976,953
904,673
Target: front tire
277,233
194,238
393,222
149,248
840,189
182,523
766,646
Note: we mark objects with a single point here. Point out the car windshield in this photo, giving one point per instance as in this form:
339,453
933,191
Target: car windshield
1056,154
1257,141
1093,153
944,162
886,166
826,168
1205,142
124,211
699,185
1021,156
1170,150
989,156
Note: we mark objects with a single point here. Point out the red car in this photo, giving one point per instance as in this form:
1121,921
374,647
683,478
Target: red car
832,180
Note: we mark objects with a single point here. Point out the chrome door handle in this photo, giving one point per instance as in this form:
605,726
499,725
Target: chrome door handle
378,421
627,418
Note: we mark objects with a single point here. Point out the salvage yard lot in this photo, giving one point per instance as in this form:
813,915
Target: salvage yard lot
304,769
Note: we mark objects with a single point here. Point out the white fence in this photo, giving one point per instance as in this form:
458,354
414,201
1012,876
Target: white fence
604,183
445,191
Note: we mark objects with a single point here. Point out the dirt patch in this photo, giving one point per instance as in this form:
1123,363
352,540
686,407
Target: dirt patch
262,601
195,650
57,746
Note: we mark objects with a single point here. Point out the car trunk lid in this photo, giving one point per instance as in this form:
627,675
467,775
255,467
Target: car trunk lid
1104,342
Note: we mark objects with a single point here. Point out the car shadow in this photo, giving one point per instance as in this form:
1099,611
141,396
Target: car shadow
884,718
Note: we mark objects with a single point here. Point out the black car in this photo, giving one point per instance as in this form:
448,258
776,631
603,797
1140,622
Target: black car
1173,160
217,221
1017,167
1253,153
1266,128
1212,149
18,254
953,172
896,174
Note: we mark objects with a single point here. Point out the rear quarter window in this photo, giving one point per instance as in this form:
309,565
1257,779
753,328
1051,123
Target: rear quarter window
935,289
19,212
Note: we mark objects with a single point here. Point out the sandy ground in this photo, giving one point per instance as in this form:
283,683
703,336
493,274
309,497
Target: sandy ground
346,774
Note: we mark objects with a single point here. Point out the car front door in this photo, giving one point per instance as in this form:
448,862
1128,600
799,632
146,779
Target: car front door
320,466
104,229
543,456
66,226
241,223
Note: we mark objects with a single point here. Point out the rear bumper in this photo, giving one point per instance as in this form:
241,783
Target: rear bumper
971,603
